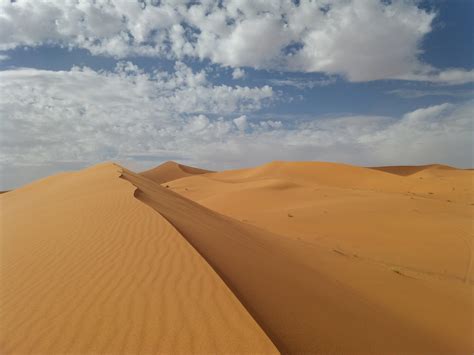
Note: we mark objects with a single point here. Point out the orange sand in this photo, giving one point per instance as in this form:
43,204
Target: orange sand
402,243
171,171
421,223
87,268
307,257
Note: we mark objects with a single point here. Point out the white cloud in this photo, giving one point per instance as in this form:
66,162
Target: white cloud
3,57
57,119
238,73
303,84
446,77
436,134
241,122
361,40
88,116
417,93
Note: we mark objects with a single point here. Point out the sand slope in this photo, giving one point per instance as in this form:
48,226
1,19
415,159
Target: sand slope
171,171
421,223
87,268
307,297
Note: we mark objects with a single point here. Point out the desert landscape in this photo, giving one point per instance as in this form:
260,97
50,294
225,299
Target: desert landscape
286,257
236,177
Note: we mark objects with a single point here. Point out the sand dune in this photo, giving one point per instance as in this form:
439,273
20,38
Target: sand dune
304,257
405,170
171,171
421,223
313,299
87,268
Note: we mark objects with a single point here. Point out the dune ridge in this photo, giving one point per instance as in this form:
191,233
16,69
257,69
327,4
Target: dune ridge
87,268
311,299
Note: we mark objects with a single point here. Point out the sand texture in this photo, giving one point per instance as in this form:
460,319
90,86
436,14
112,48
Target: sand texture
315,258
88,269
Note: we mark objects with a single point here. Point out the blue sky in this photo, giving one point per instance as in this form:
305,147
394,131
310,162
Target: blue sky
234,83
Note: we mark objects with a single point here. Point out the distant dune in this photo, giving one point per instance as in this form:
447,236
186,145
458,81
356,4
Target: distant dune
287,257
171,171
410,170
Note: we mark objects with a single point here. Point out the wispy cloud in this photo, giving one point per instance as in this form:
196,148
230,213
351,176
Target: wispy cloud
417,93
444,77
302,83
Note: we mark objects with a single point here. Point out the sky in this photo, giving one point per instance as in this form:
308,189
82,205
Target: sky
233,83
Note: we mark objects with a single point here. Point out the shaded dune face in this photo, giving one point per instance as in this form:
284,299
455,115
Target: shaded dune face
410,170
309,299
87,268
171,171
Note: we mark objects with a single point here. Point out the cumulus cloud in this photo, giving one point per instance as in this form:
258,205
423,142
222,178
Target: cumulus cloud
361,40
241,122
57,119
84,115
238,73
438,134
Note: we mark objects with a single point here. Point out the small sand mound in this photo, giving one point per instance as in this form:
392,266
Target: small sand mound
171,171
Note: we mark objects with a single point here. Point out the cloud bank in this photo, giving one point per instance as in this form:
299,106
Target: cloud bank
361,40
55,118
83,114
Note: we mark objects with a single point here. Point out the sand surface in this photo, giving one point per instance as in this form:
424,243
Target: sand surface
403,243
421,222
290,257
88,269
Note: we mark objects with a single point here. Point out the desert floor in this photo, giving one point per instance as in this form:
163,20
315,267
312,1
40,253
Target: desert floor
289,257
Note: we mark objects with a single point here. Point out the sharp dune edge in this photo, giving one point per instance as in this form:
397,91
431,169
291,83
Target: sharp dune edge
326,258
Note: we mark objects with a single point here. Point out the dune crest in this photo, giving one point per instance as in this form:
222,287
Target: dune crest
87,268
171,170
311,299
